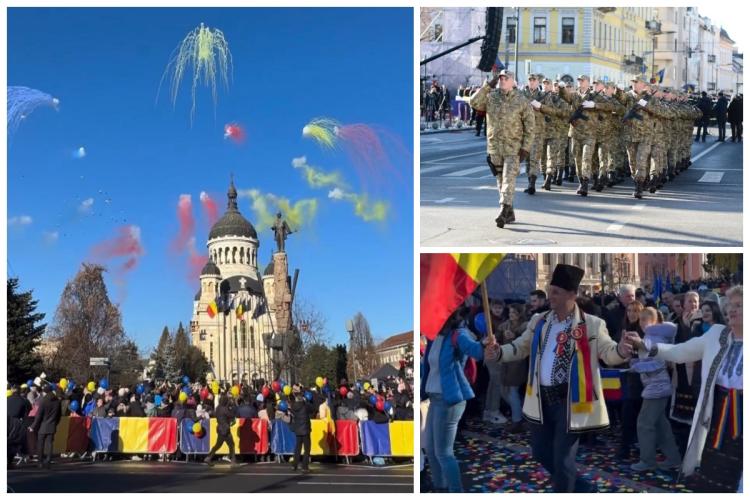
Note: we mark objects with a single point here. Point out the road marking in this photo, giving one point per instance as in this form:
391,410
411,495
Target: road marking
444,200
320,483
202,470
711,177
639,206
696,157
466,171
614,227
454,157
435,169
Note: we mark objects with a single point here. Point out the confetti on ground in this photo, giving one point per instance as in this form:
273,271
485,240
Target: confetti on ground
494,460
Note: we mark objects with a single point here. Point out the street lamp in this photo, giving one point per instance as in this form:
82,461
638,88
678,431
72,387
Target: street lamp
350,329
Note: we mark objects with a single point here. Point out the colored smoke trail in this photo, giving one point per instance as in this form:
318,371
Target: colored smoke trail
205,57
22,101
235,132
185,221
317,178
196,261
127,243
323,131
368,211
209,206
265,205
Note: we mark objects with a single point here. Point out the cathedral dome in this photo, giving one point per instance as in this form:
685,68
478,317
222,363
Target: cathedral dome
210,269
269,269
232,223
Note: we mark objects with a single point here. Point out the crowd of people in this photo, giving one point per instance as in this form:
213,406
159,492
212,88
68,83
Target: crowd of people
678,355
596,132
36,407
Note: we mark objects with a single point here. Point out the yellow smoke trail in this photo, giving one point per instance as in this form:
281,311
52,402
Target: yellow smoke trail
317,178
376,211
323,131
205,52
265,205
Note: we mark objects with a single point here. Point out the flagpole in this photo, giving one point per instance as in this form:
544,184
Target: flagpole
486,307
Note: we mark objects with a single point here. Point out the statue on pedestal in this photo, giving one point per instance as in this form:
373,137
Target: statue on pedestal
281,230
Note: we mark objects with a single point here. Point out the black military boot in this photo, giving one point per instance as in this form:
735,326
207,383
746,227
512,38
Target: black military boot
559,179
599,184
671,173
662,179
532,185
652,182
504,216
638,192
547,182
611,179
583,189
511,216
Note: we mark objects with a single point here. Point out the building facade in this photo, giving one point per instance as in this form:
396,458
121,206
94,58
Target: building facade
395,349
236,341
687,266
619,269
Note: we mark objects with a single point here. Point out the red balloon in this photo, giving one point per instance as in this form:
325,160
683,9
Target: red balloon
380,405
343,390
265,391
204,393
276,386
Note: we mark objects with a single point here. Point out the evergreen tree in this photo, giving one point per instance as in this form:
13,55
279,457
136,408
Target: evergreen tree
24,334
181,346
164,358
341,362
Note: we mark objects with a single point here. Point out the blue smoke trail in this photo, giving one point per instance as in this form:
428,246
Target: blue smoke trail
22,101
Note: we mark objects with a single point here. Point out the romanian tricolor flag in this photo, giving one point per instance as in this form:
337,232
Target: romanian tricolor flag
241,309
134,435
730,418
611,383
446,280
212,309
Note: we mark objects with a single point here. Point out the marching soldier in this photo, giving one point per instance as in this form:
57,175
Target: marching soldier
554,112
660,143
603,110
583,132
510,134
534,93
616,147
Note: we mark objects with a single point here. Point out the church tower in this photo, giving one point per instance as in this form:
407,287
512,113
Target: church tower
230,315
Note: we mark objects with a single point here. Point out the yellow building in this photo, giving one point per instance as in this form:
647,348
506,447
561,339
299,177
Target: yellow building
611,43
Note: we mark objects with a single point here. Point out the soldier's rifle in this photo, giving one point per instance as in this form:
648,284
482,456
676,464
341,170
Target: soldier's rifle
633,112
578,114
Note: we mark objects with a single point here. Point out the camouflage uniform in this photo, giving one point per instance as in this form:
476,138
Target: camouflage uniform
639,132
510,128
534,164
583,135
604,118
555,113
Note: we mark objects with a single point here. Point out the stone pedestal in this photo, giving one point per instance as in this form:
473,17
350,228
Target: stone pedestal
282,293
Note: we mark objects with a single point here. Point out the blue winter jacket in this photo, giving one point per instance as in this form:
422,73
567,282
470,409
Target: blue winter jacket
456,387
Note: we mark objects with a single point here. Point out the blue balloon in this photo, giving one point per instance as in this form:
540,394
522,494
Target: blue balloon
104,384
157,400
326,390
373,399
185,379
283,406
308,395
187,390
359,386
74,405
388,406
71,385
139,389
480,323
30,382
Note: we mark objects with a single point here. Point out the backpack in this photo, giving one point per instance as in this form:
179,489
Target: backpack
470,368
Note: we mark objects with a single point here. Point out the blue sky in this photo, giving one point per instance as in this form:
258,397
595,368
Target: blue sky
290,65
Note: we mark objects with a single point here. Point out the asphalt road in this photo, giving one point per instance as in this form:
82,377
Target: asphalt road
459,202
173,477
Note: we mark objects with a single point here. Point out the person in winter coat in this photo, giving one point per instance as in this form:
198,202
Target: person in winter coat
705,106
224,418
45,425
735,118
18,410
302,412
720,111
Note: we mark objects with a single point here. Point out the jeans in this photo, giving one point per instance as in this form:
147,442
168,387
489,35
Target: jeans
655,432
44,448
442,423
555,448
513,398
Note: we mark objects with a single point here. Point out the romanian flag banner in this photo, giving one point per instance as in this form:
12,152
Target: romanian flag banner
134,435
611,383
445,282
212,309
241,308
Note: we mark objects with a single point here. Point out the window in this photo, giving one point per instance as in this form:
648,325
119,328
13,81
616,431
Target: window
540,30
591,261
510,30
545,259
568,29
235,337
243,332
252,338
203,335
211,348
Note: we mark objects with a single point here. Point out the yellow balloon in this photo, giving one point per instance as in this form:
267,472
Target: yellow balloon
91,386
63,383
287,390
367,385
215,388
10,393
278,396
319,381
183,397
235,391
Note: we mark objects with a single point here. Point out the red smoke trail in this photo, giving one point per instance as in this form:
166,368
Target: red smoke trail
209,205
186,222
368,153
196,261
235,132
126,244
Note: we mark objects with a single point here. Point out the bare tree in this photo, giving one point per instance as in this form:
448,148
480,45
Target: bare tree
363,359
86,324
310,323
